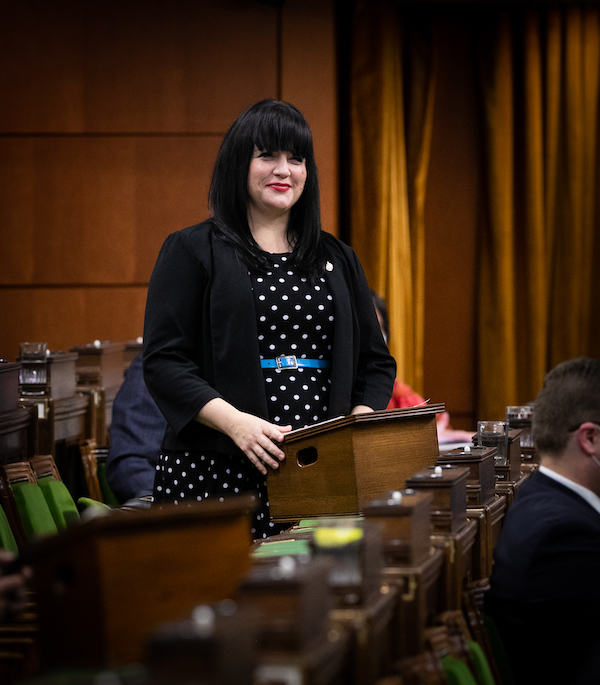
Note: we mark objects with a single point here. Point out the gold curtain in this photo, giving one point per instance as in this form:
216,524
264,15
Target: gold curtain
390,139
540,80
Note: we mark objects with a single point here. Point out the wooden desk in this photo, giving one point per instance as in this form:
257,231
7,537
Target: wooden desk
339,466
17,434
420,600
17,424
490,518
104,586
100,374
372,630
58,420
458,551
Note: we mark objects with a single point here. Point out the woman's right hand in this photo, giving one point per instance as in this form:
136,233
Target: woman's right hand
256,437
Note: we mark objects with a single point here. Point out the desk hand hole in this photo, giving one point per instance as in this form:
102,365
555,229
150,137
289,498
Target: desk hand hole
307,456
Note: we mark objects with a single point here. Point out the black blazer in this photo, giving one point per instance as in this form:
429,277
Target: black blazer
545,586
201,339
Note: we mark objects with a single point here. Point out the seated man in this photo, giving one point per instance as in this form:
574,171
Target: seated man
545,586
136,432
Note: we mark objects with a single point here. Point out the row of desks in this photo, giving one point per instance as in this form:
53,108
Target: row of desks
386,602
59,398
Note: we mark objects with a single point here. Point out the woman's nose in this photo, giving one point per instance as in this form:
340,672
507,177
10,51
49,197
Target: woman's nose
282,167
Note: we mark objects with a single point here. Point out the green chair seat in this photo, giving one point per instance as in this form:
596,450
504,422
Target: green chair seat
86,503
457,672
7,539
33,510
61,504
108,496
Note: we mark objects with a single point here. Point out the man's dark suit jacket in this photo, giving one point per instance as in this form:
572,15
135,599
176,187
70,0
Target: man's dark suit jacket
136,431
201,337
545,586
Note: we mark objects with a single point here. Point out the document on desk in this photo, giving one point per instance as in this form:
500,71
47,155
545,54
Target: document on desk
314,425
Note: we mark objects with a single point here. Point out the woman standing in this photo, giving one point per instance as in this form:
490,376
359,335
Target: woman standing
257,322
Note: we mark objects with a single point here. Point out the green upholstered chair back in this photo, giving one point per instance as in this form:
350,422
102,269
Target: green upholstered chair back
481,667
456,671
498,650
108,496
61,504
7,538
33,509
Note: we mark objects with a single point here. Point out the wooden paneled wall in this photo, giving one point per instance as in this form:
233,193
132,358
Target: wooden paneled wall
110,120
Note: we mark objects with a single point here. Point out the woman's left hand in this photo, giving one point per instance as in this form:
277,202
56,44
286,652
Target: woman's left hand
361,409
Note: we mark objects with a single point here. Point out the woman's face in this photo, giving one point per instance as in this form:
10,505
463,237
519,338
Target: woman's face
275,181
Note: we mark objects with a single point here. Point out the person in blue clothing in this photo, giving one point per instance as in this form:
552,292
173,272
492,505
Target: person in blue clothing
257,321
136,432
545,586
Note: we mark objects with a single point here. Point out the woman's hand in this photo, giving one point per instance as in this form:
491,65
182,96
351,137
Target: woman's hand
253,435
361,409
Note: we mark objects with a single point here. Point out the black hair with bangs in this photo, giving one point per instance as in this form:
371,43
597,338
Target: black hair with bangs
270,125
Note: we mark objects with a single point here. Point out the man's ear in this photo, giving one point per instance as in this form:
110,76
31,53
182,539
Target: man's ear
588,437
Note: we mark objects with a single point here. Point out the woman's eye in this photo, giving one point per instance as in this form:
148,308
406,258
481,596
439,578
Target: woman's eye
266,154
297,159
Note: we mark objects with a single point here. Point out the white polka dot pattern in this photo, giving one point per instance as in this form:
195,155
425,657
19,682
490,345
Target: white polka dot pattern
220,475
294,317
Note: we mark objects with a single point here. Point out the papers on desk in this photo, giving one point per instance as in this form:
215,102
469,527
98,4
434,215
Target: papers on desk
314,425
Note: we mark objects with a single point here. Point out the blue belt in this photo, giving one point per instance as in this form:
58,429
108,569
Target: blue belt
290,361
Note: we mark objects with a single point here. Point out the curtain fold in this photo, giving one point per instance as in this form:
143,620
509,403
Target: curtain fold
532,252
541,124
390,138
576,186
539,78
497,322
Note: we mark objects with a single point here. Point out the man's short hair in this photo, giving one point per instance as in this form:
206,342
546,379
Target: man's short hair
570,396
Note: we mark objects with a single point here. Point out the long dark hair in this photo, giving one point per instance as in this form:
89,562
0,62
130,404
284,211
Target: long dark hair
270,125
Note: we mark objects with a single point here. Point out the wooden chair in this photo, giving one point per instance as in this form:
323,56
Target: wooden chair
490,518
9,507
449,644
45,505
473,609
18,636
90,466
19,649
94,464
108,496
44,465
8,541
423,669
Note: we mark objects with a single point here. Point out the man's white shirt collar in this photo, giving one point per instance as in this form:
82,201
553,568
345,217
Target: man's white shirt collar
587,495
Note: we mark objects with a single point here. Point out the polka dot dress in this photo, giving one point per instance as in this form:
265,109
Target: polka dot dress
294,317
